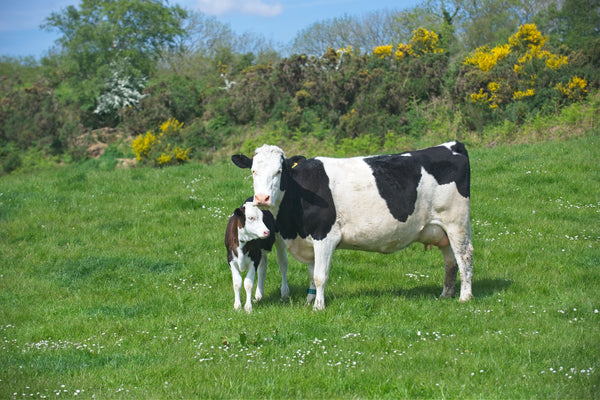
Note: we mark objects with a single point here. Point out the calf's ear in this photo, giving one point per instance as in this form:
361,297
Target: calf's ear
241,161
239,212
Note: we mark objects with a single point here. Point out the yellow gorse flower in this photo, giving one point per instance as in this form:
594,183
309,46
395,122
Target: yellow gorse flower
527,36
171,126
422,42
575,89
383,51
519,95
143,144
425,41
157,147
485,58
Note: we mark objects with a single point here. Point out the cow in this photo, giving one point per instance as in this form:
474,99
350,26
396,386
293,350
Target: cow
249,237
380,203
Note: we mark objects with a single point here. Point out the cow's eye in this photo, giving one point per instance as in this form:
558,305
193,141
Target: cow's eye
251,219
278,172
254,173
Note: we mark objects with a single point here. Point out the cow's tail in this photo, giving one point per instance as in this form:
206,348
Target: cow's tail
460,148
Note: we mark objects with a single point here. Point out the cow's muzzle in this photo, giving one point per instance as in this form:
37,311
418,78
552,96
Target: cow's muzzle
262,200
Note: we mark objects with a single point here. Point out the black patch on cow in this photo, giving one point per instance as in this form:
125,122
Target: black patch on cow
307,206
397,176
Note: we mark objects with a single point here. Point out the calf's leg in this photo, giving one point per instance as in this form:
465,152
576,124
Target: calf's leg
237,285
248,284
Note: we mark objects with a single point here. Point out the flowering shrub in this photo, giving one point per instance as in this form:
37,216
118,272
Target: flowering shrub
485,59
574,90
383,51
517,71
422,42
161,149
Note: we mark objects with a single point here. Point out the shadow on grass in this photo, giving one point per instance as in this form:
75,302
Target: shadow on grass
482,288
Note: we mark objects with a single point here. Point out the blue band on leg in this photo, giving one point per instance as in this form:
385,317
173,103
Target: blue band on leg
311,291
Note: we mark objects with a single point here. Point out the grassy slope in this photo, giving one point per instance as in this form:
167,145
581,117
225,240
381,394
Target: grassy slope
115,284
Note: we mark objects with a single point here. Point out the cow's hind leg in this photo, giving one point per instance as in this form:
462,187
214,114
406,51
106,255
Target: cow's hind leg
451,270
460,241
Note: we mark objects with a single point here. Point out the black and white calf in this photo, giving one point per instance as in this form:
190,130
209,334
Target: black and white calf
249,237
377,203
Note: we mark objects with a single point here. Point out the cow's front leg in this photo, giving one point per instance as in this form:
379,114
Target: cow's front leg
248,284
262,273
312,289
282,261
323,253
237,285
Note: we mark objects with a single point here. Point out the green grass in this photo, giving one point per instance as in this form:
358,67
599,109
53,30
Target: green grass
114,284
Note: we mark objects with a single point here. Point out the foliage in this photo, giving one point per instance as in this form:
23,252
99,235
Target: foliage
441,70
162,148
121,91
99,35
515,77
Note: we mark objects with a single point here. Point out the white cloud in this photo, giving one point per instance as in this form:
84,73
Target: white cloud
263,8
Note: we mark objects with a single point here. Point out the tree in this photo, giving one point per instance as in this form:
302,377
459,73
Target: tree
102,33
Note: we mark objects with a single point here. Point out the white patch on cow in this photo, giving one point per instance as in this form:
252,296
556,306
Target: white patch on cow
449,146
406,155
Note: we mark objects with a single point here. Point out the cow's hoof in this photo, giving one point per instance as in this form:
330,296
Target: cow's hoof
319,305
285,292
465,298
446,295
258,297
237,306
248,308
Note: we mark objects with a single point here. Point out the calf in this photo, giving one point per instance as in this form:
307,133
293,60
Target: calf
376,203
249,237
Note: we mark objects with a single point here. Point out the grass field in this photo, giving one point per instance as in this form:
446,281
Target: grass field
114,284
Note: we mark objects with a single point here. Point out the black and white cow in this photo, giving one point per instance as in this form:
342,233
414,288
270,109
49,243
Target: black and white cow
378,203
249,237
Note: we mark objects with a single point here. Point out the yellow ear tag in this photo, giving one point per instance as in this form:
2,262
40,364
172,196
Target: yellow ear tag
294,166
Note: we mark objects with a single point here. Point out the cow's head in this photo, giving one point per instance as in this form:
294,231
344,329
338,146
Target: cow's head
252,224
270,172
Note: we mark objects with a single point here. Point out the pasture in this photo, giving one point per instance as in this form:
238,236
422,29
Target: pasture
115,284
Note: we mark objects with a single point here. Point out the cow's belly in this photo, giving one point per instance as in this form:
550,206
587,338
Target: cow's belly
384,235
301,249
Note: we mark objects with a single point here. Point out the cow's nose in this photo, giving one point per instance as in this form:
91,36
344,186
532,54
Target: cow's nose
266,233
262,199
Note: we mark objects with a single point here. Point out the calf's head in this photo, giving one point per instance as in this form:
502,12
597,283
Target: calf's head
252,224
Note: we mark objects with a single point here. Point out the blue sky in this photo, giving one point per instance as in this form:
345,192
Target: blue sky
278,20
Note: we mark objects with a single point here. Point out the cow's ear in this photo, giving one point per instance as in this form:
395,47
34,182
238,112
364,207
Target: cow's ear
241,161
293,161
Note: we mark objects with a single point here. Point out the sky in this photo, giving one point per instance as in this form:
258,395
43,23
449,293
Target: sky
276,20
